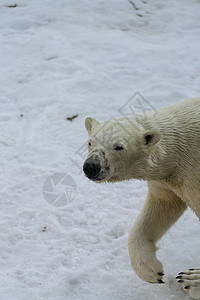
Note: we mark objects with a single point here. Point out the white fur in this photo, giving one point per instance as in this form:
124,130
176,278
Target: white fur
164,150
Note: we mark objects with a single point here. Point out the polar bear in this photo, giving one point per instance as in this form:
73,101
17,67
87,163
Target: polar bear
162,148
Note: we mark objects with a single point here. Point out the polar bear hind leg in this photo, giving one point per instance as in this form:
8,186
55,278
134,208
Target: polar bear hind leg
190,281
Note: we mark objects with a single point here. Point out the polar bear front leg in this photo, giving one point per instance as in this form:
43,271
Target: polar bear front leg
161,210
190,281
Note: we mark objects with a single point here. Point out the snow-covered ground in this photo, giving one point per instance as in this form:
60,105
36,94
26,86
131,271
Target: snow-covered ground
62,58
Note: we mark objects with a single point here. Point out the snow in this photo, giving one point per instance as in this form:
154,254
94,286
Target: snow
59,59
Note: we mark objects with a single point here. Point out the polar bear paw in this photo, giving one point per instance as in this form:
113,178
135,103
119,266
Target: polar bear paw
150,270
190,281
145,264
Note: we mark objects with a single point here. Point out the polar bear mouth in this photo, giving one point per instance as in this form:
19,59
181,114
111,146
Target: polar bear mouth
96,167
99,177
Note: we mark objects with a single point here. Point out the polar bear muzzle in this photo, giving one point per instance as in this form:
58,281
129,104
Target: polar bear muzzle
96,166
91,168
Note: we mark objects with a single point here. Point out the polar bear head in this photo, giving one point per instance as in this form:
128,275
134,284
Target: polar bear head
119,149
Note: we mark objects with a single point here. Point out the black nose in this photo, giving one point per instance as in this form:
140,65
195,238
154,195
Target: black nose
91,168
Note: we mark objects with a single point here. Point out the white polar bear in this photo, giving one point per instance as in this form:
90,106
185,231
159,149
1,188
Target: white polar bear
164,149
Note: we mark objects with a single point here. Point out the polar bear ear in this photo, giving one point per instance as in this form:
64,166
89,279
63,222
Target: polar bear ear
90,124
151,137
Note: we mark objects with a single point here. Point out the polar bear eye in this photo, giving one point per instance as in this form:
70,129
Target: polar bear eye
119,148
89,144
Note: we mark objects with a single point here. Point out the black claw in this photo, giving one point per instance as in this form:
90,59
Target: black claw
191,269
187,287
178,277
181,273
160,273
180,281
160,281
